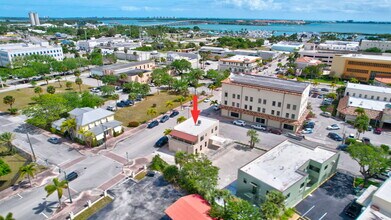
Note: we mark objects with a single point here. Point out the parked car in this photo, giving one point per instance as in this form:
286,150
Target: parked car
164,118
307,131
128,102
334,136
206,100
174,113
71,176
377,131
383,176
150,173
259,127
326,114
153,124
309,124
54,140
118,88
239,122
275,131
366,140
342,147
324,89
207,63
295,136
320,96
216,107
121,104
333,127
162,141
110,108
353,210
370,128
351,136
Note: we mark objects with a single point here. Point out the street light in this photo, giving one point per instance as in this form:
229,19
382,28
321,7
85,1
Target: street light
69,191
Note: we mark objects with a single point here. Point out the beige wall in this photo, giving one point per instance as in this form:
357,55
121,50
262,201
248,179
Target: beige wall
338,66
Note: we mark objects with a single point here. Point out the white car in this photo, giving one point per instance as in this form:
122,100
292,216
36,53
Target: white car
307,131
259,127
239,122
333,127
216,107
206,100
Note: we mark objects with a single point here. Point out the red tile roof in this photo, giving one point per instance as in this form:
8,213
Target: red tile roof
345,109
192,207
384,80
184,136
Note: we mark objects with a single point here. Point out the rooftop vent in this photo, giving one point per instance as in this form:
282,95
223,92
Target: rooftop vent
198,122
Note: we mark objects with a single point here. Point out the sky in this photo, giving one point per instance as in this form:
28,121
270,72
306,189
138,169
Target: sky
364,10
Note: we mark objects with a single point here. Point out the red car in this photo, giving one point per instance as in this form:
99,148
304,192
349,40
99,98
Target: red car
275,131
377,131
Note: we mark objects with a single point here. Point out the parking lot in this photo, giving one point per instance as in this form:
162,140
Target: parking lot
145,200
329,200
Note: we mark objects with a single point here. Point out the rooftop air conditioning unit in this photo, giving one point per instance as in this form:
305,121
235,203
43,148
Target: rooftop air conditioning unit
198,122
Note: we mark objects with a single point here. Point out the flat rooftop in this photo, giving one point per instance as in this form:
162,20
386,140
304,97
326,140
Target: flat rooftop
25,47
189,127
370,88
241,59
367,103
278,167
384,195
270,82
119,66
368,57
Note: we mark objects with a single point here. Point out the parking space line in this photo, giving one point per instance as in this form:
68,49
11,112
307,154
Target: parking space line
308,211
323,216
44,215
19,196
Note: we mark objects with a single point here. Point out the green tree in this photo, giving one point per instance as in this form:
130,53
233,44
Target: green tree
254,137
6,139
68,85
9,100
158,163
4,168
180,66
169,104
361,122
69,126
110,79
181,99
235,209
58,78
57,186
107,90
181,158
33,83
88,137
51,89
372,160
171,173
28,170
167,131
46,78
373,50
333,85
79,82
181,119
354,80
151,112
38,90
274,205
9,216
332,95
214,102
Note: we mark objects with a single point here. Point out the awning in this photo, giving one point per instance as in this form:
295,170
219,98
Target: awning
97,130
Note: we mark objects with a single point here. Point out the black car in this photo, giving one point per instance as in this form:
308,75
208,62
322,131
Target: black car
54,140
334,136
174,113
164,118
162,141
128,102
121,104
366,140
324,90
71,176
353,210
153,124
342,147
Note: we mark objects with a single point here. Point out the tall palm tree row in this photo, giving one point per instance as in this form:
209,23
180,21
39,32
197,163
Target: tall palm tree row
57,186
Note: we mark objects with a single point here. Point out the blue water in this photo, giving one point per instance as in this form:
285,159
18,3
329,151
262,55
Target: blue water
280,29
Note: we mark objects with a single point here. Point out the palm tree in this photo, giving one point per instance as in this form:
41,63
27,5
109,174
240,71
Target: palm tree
58,186
360,111
123,76
214,102
254,137
315,83
88,137
6,139
167,131
333,85
46,78
181,119
9,100
212,87
181,99
77,73
58,78
28,170
69,125
354,80
68,85
38,90
169,104
9,216
79,82
151,112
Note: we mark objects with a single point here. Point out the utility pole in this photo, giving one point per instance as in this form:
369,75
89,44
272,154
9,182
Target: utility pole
31,147
69,191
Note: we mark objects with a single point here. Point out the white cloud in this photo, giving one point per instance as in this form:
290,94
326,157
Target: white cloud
254,5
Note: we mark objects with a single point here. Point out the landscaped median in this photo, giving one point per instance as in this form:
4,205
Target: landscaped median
85,214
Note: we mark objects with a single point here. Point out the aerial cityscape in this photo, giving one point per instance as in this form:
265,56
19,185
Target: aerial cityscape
195,110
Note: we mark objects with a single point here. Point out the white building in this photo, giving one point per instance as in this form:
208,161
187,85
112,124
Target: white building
368,92
34,18
265,100
287,46
219,51
193,58
118,68
240,64
325,56
193,138
382,45
377,202
339,45
136,55
10,51
88,45
264,54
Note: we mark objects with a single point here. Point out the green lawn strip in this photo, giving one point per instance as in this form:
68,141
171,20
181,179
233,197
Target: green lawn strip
23,96
94,208
15,162
360,181
138,112
141,175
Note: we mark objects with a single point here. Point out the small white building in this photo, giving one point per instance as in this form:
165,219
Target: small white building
264,54
88,45
325,56
219,51
240,64
193,58
193,138
339,45
118,68
377,202
137,55
287,46
382,45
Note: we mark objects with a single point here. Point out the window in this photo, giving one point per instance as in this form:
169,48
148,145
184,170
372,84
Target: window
251,99
372,97
234,114
302,185
315,169
288,127
385,99
264,101
272,112
279,104
286,115
294,107
216,128
259,109
250,107
244,180
326,167
278,113
238,96
233,104
293,116
378,98
259,101
233,96
246,98
225,102
365,96
237,105
263,110
226,94
202,138
201,148
359,95
288,106
287,196
245,106
274,103
255,188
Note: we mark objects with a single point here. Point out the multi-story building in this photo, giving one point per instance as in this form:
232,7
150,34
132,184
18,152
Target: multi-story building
287,46
361,67
269,101
240,64
117,69
88,45
339,45
136,55
368,92
10,51
325,56
98,121
193,137
34,19
214,51
292,168
382,45
303,62
377,202
193,58
263,54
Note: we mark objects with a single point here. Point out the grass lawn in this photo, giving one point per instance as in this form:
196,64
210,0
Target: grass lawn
23,96
141,175
94,208
138,112
360,181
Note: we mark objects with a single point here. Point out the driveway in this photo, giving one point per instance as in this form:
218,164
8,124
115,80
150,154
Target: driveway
329,200
146,200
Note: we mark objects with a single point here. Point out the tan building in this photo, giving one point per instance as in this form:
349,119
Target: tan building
240,64
269,101
193,138
117,69
361,67
137,75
